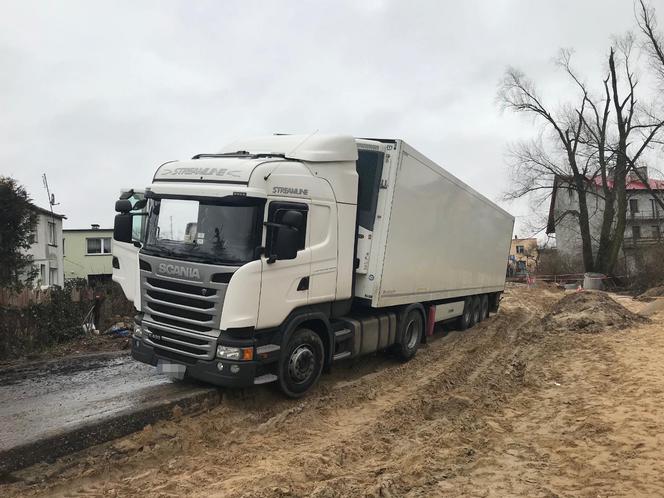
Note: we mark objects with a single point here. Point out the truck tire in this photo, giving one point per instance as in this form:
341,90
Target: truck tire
476,309
464,321
301,363
495,302
410,336
484,307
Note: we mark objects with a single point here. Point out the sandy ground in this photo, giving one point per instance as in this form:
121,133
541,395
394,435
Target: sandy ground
510,407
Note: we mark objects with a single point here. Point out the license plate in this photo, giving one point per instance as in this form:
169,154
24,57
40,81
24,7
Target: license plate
171,369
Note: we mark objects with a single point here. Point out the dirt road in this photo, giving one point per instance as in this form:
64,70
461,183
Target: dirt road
511,407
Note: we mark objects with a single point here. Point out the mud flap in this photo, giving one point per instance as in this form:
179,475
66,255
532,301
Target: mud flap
431,322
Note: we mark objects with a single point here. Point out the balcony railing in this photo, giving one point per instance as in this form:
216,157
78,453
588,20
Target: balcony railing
642,241
645,215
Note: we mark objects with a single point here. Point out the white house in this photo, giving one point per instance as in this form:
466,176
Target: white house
46,249
645,219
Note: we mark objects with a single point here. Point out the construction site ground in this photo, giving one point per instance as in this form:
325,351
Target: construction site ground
539,400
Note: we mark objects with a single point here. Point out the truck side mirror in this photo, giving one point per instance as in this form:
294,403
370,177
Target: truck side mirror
122,227
286,243
286,240
123,205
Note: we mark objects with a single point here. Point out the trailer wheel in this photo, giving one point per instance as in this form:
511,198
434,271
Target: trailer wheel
484,307
301,363
411,335
495,302
476,310
464,321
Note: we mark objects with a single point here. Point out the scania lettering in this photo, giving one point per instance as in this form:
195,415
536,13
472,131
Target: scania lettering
180,271
280,256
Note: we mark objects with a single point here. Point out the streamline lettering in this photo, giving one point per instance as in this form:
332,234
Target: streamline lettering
200,172
303,192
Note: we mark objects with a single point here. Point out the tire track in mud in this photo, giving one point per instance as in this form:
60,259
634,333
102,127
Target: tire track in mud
353,435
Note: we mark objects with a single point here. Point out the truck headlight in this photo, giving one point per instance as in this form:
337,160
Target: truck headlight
138,330
230,353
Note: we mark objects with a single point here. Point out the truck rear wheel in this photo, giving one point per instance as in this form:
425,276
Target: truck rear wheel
411,335
484,307
495,302
301,363
465,320
475,306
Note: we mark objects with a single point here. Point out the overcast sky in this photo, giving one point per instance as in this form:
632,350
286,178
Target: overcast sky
98,94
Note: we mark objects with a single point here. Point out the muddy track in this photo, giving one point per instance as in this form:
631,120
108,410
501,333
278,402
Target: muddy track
357,433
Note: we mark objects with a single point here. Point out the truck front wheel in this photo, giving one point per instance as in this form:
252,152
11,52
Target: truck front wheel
301,364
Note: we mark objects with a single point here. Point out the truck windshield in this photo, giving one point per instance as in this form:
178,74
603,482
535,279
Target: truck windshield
225,231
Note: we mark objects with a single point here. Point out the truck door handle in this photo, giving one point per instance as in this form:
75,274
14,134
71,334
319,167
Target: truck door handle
304,284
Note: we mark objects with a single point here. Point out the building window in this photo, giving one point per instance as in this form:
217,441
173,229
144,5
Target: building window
636,232
35,234
99,245
52,276
656,232
51,233
633,205
42,274
520,249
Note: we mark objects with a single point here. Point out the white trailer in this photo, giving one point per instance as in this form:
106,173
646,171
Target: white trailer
434,238
279,256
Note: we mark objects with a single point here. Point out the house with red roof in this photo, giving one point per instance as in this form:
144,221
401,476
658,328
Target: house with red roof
645,218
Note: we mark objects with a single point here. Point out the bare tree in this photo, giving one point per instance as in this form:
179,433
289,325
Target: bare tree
537,166
592,146
654,48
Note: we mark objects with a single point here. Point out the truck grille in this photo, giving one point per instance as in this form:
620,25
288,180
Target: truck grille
182,317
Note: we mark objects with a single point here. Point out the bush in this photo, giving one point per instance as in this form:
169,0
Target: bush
39,326
648,267
551,262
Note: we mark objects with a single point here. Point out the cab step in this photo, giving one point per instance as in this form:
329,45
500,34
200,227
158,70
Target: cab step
342,335
265,378
341,356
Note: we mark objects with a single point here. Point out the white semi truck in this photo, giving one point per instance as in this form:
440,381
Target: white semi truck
279,256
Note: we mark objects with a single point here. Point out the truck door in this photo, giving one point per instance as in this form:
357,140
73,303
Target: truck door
284,283
125,255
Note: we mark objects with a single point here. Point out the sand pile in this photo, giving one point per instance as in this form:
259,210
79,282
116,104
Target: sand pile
653,292
590,312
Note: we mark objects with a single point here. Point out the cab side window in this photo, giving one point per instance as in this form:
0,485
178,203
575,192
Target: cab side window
275,213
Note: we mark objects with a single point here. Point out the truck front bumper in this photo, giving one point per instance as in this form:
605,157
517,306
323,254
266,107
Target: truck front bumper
217,372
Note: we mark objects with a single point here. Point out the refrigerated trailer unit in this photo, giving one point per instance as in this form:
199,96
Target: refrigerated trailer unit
278,256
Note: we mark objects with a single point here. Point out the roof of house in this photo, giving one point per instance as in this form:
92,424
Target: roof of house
87,230
633,185
48,212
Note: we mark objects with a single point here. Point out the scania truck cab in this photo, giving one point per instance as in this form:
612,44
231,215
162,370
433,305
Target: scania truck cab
259,263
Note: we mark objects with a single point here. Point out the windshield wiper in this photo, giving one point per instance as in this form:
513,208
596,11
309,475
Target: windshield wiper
159,251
